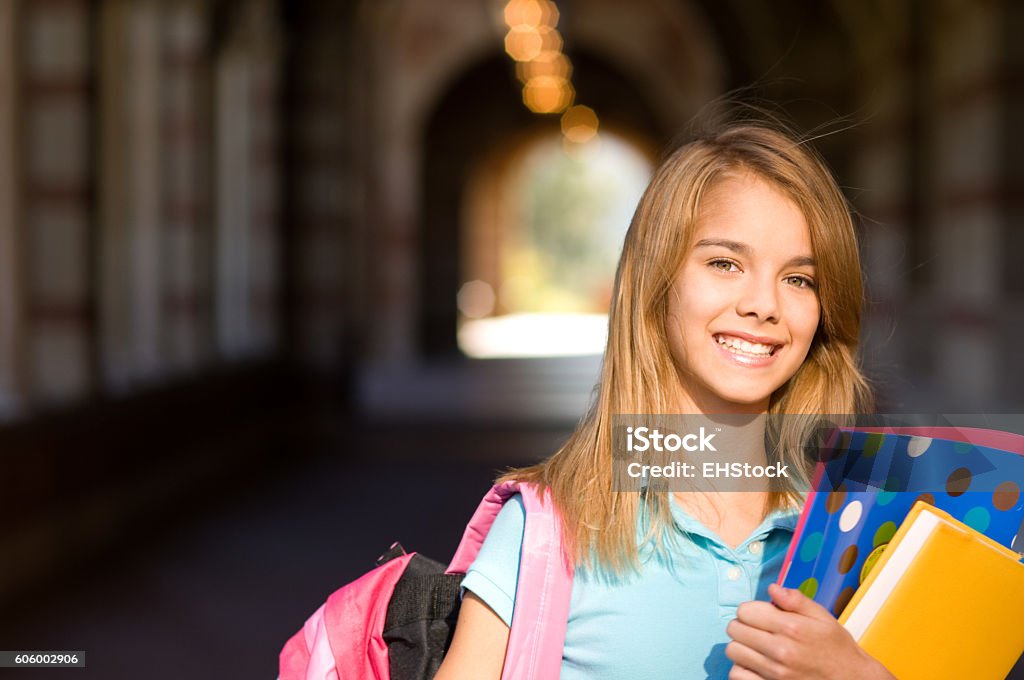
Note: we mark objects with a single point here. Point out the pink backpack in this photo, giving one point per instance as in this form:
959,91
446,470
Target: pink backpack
344,640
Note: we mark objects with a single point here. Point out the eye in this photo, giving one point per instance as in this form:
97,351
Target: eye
800,281
724,265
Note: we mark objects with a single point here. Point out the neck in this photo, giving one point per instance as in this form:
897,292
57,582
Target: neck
739,440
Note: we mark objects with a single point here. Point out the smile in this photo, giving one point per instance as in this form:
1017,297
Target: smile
745,348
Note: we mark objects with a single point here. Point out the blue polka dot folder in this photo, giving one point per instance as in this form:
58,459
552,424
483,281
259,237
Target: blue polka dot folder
867,482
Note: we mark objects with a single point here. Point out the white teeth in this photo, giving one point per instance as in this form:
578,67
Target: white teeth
744,347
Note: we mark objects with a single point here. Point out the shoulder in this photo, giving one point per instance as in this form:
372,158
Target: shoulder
512,516
494,574
505,538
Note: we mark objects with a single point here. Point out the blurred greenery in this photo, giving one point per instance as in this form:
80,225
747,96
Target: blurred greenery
575,210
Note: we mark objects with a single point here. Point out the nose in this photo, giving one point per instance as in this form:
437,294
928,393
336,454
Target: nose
759,299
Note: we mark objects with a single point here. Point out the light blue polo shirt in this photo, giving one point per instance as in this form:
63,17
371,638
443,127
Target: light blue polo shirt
668,621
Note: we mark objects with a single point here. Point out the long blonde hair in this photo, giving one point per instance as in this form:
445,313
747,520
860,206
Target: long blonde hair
638,367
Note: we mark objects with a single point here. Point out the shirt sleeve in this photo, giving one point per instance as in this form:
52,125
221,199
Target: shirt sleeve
494,574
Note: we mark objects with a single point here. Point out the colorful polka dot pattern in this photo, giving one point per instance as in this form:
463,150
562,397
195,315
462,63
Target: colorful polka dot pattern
809,587
884,534
870,561
843,600
810,548
872,480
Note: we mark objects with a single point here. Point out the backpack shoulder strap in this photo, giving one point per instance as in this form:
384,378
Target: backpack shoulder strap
541,611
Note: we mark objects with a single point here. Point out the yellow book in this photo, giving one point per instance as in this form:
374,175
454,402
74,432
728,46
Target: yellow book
944,601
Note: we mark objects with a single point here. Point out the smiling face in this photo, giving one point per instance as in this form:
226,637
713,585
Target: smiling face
742,309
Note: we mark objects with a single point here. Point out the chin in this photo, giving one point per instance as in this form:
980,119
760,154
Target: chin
751,391
745,404
743,399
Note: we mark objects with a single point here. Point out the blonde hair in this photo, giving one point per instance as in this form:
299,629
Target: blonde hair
638,367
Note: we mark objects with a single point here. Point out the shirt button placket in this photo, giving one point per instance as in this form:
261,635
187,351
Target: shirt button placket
733,587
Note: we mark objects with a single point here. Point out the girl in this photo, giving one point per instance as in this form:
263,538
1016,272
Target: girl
738,292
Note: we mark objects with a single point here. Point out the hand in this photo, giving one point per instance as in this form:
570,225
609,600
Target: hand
795,638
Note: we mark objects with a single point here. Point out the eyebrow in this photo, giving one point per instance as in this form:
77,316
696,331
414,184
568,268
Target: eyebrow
744,249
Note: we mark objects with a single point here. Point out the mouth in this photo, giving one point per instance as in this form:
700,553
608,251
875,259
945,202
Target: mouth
746,348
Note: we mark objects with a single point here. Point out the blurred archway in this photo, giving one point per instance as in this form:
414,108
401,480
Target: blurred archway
479,132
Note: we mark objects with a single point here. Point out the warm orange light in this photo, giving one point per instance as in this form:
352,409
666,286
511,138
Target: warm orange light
551,40
536,46
531,13
545,64
548,94
523,43
579,124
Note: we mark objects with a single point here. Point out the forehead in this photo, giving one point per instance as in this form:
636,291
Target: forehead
748,209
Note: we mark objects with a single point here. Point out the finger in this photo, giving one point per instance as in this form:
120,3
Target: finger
768,617
771,620
750,660
759,614
793,600
757,639
738,672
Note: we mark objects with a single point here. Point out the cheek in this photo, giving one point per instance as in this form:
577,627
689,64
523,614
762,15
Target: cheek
685,318
807,324
703,304
694,318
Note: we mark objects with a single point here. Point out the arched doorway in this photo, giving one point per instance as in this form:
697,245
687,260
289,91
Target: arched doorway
478,125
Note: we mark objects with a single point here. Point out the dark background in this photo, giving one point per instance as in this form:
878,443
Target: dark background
230,242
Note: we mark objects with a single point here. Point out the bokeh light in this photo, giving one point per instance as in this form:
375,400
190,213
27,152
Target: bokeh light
579,124
547,63
531,13
548,94
476,299
545,71
523,43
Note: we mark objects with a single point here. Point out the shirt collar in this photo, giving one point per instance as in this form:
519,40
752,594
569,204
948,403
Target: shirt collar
783,519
